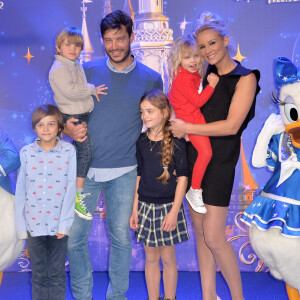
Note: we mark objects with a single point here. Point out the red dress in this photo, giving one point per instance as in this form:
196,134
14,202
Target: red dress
186,102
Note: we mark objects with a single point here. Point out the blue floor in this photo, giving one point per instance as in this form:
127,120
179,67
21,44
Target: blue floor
257,286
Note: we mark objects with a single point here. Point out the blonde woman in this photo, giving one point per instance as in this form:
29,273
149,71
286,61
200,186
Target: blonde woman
227,114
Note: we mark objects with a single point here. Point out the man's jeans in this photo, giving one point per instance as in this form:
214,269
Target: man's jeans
118,197
48,255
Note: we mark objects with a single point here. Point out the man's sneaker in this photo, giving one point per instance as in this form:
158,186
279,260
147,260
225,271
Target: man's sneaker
80,208
194,197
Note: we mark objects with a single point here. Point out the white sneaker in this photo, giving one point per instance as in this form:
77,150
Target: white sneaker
194,197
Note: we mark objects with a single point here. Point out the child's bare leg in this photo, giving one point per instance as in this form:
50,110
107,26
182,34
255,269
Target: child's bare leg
170,273
80,183
152,271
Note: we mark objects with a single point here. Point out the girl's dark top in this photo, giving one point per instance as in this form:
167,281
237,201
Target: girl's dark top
149,168
219,176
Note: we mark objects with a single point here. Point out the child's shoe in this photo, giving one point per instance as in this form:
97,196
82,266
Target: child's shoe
80,208
194,197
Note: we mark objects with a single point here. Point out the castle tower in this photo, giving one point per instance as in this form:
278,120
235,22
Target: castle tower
107,8
244,194
153,38
128,9
86,53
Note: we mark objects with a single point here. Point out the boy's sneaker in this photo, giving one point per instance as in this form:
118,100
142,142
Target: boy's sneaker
80,208
194,197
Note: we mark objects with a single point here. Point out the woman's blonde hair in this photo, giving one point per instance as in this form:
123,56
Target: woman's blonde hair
211,21
182,44
72,34
158,99
208,20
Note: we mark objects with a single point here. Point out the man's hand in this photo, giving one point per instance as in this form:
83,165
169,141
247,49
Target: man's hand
178,128
75,132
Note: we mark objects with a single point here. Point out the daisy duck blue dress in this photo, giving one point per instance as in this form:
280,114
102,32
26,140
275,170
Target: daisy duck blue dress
278,205
278,148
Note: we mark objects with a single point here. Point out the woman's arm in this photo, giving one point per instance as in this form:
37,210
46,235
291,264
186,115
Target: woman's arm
238,110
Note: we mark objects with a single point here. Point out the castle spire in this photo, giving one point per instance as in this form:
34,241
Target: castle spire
107,9
153,38
86,53
248,180
128,9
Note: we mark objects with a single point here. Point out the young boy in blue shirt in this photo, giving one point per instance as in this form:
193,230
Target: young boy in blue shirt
45,201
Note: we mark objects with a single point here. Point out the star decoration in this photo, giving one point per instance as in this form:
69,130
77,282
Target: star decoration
284,205
275,215
28,56
246,187
285,78
239,57
259,204
254,205
183,25
279,75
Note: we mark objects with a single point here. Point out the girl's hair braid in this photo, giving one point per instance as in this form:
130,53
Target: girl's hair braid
158,99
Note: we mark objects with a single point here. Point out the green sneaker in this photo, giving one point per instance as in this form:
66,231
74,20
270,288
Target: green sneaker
80,208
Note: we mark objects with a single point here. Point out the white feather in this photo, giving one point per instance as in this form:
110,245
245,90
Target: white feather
10,245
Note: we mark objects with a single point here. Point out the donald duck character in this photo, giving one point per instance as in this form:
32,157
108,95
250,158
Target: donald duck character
274,216
10,246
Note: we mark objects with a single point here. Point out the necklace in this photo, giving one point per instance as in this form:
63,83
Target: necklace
151,147
150,142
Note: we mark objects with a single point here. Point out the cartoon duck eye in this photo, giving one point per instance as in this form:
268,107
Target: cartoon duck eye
291,112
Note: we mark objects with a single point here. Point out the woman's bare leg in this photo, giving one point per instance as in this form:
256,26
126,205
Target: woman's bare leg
206,260
170,274
214,222
152,271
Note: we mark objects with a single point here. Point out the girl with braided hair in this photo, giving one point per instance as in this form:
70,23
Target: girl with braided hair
158,217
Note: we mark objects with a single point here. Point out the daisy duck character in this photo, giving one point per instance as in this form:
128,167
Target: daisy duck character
10,245
274,216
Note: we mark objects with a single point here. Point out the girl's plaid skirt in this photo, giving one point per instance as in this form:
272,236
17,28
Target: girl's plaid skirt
150,219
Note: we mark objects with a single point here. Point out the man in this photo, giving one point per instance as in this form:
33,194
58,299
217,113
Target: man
114,126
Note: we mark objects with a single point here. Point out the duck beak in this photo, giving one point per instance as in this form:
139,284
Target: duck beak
294,131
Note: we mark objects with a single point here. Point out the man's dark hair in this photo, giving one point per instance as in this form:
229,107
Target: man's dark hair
114,20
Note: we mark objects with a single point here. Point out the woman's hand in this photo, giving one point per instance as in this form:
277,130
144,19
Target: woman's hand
133,221
178,127
75,132
170,221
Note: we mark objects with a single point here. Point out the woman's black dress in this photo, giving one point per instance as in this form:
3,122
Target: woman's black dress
219,176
